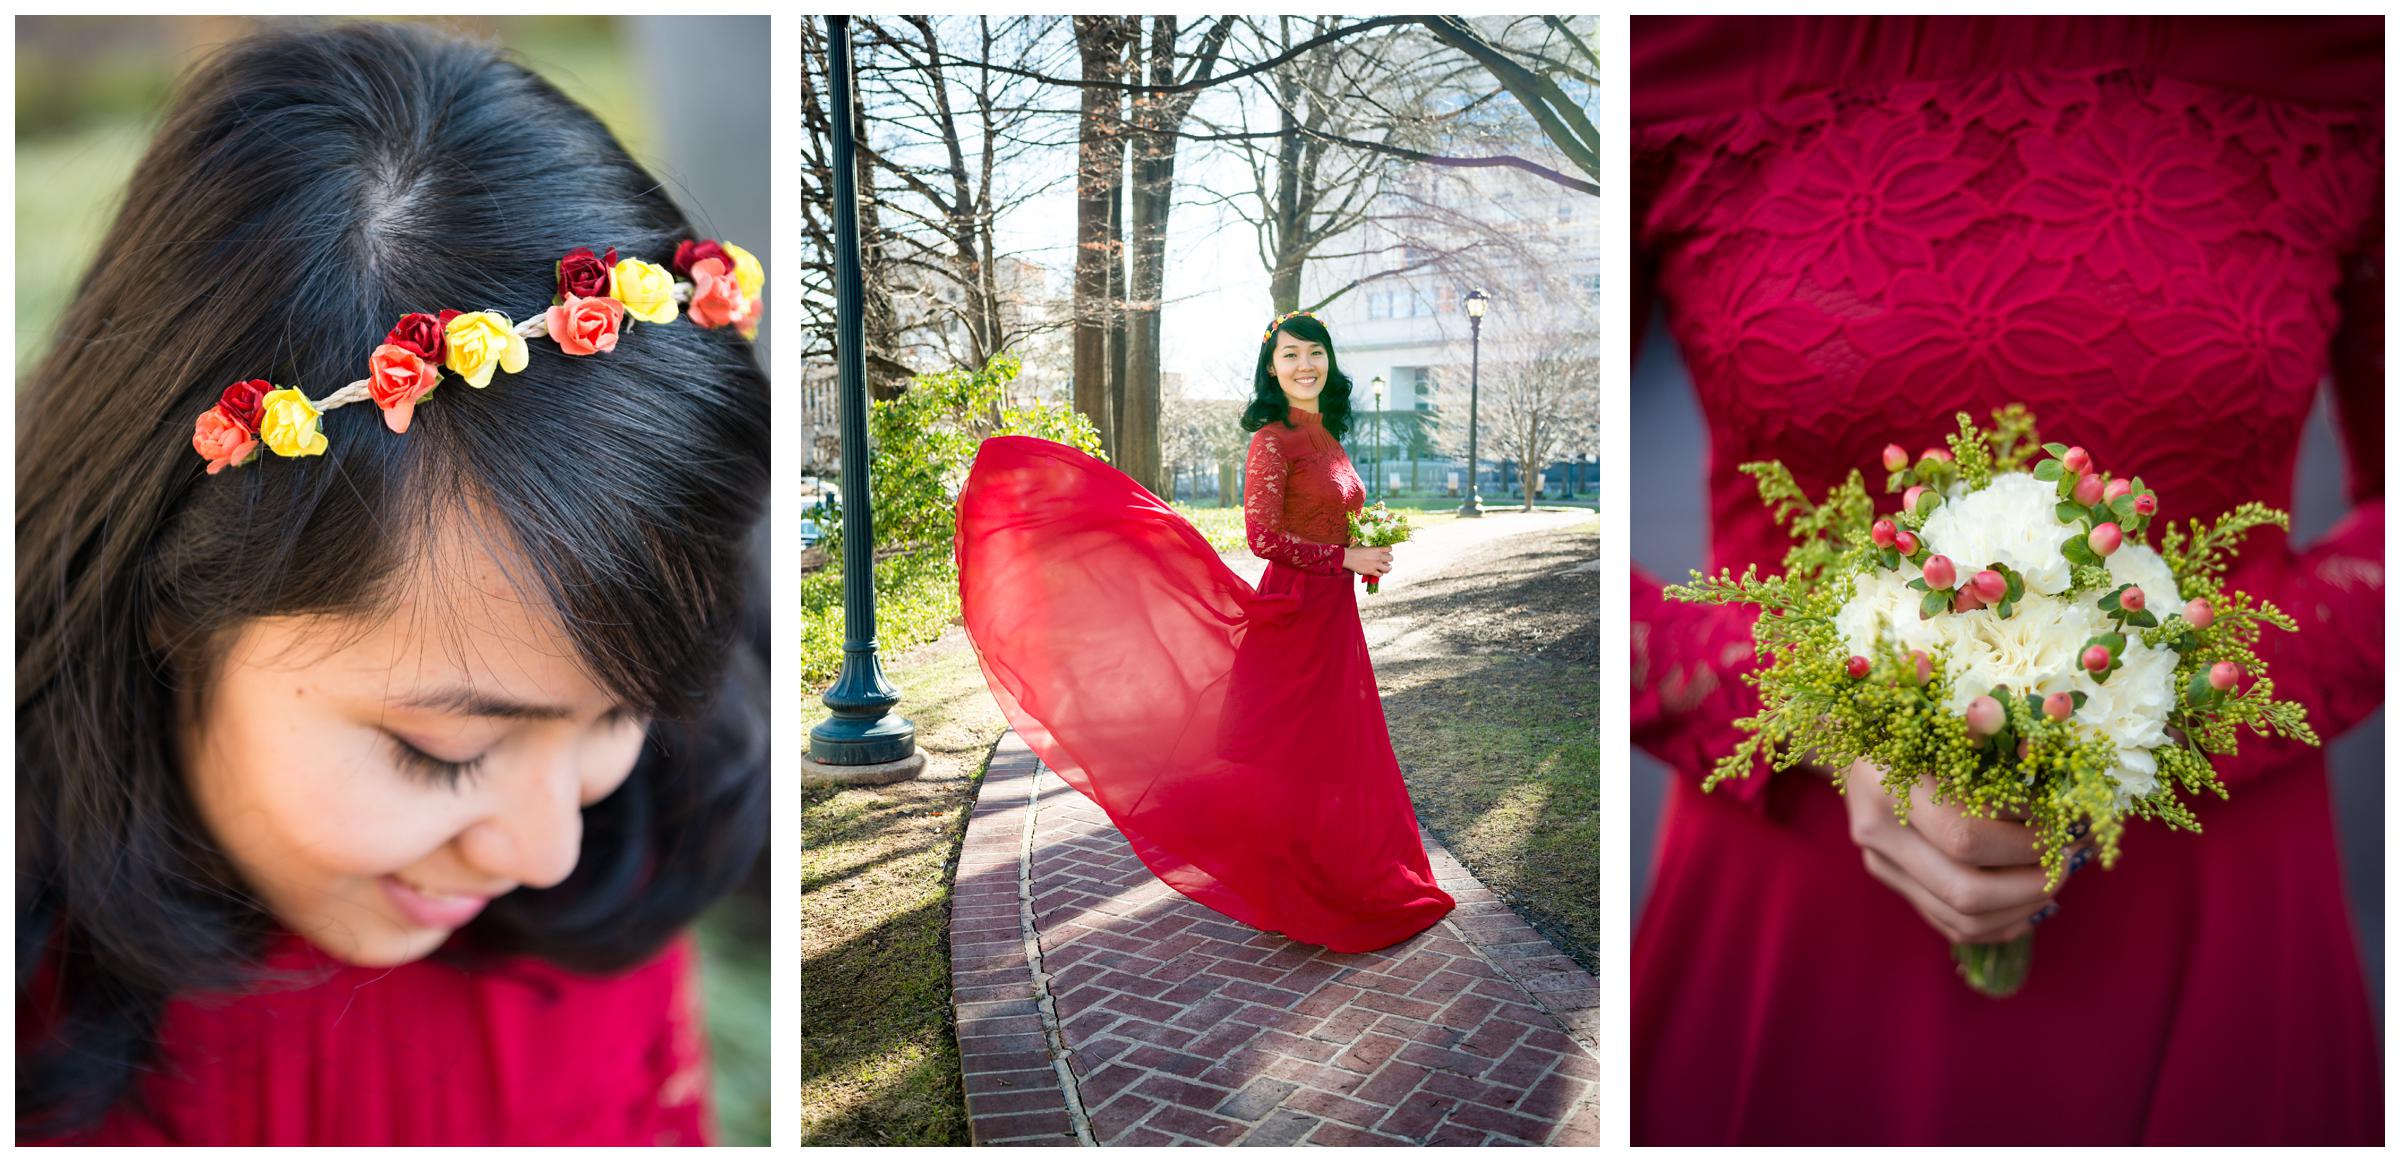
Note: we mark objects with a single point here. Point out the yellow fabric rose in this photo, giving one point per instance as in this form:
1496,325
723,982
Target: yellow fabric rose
288,423
747,273
646,289
478,342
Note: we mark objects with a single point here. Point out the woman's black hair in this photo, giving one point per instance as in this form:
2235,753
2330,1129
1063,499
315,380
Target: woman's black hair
308,189
1267,404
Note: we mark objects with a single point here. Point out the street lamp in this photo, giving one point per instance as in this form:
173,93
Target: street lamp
863,734
1476,300
1377,384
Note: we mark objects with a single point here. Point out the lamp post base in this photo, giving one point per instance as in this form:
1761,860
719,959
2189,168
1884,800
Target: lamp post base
815,774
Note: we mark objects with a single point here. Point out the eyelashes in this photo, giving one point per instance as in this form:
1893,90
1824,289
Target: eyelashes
443,773
436,771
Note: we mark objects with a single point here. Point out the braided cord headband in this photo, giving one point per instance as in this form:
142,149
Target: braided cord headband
1283,318
720,286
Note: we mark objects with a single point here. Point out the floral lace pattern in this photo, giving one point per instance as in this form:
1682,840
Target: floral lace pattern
1299,492
2148,263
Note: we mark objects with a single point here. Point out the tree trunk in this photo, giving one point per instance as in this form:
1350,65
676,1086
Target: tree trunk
1100,157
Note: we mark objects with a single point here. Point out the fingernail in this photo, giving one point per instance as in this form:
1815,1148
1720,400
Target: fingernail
2048,910
2082,856
2081,828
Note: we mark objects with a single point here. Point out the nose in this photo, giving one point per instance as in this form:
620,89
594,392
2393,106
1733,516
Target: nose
534,831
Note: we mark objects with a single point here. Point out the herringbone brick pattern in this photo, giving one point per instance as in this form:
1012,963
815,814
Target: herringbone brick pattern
1182,1026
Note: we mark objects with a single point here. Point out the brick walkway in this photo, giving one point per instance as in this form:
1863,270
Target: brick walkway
1096,1005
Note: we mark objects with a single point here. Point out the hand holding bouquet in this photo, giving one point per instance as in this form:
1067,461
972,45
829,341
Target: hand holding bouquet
1376,527
2010,636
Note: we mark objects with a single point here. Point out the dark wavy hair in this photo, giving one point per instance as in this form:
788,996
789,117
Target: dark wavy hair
1267,404
306,190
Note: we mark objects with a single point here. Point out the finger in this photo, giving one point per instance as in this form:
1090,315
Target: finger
1969,891
1967,839
1960,927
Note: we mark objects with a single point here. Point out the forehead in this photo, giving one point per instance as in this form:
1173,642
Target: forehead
467,614
1290,342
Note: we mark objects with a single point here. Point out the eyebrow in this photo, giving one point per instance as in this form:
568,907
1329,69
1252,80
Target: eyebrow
464,700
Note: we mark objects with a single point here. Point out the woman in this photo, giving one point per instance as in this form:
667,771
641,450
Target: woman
1234,735
371,761
2158,233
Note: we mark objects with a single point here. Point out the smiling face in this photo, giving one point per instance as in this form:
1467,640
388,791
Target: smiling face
376,781
1300,369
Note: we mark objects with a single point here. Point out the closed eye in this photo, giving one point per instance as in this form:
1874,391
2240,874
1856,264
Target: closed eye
437,771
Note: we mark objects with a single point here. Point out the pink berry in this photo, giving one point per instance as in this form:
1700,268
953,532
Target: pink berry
1965,599
2132,600
2146,504
2087,490
1991,586
1984,717
1895,457
1924,665
2199,613
2096,658
2024,748
2076,460
1885,534
1939,572
2225,675
2106,539
1906,542
1941,454
2059,706
2117,488
1908,499
1856,667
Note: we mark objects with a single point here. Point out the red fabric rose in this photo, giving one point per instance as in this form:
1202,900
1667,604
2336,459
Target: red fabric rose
583,275
420,333
690,252
241,402
397,379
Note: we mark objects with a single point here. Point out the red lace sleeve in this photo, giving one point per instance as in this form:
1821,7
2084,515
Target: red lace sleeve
1688,662
1262,513
2334,589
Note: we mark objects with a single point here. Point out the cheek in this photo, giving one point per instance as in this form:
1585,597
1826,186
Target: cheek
301,799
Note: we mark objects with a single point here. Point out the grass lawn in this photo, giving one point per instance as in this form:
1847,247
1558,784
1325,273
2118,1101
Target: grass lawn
878,1054
1494,706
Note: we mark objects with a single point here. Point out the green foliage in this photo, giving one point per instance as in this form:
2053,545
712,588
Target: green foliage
916,599
1811,709
924,442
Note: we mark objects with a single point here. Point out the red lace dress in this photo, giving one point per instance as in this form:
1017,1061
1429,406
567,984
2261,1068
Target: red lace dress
1233,734
427,1054
2159,234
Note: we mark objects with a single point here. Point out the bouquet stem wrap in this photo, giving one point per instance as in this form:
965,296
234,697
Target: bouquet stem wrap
1376,527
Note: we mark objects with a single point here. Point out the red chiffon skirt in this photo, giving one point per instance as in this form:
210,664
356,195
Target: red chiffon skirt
1234,735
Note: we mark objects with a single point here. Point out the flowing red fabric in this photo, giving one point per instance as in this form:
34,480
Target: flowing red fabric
2161,234
1234,735
427,1054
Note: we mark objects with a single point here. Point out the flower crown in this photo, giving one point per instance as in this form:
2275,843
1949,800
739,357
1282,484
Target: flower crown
720,284
1283,318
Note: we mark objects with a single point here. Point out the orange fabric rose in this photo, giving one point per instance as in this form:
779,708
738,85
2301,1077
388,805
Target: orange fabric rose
717,298
397,379
586,326
222,440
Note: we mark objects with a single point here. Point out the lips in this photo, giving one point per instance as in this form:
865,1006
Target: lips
431,910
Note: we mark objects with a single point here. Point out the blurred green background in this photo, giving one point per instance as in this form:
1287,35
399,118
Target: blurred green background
90,90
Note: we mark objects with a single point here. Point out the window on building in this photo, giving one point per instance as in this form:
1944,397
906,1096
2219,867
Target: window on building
1379,305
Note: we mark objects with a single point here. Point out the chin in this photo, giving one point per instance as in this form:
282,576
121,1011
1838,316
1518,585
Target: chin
388,946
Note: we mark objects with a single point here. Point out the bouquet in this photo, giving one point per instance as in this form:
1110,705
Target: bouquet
2010,634
1375,527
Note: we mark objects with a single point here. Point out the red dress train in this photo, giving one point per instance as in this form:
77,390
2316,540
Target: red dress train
1234,735
2160,234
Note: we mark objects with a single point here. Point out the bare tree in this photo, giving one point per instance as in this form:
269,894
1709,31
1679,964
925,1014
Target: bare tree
1196,431
1538,401
1100,170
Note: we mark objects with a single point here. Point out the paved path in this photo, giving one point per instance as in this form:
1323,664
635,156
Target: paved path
1097,1006
1435,547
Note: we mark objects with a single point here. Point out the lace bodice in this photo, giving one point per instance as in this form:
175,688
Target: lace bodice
1299,492
2162,268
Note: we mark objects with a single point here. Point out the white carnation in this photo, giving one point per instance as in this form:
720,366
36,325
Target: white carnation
2011,521
2141,565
